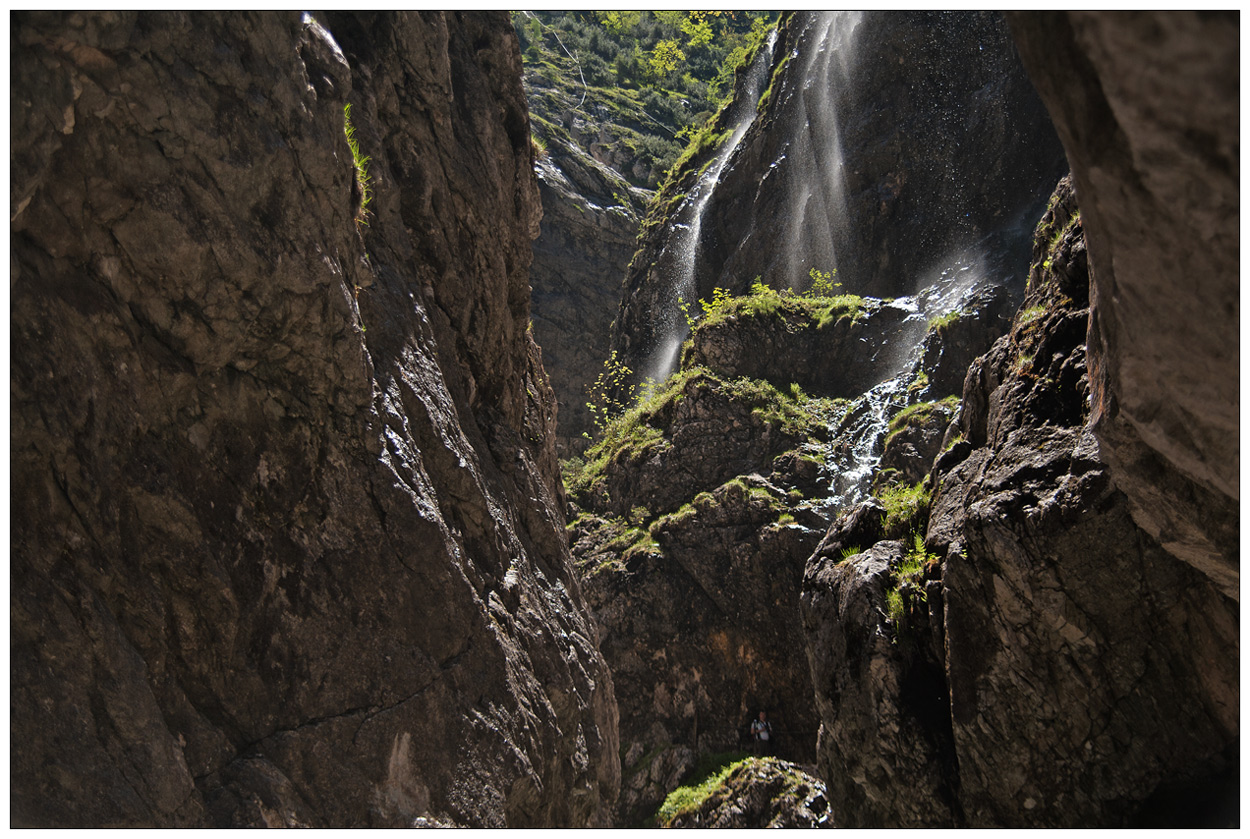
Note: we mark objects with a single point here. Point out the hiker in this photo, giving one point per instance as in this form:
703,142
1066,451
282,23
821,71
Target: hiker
762,734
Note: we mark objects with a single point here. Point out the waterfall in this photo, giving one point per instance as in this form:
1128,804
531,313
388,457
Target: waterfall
683,247
859,436
818,213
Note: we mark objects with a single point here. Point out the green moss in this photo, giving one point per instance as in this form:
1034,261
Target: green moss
764,301
942,322
702,782
920,414
761,107
833,309
1029,315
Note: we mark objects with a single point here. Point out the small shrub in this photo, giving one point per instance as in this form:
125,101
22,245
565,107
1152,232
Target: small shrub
908,590
904,508
611,392
822,283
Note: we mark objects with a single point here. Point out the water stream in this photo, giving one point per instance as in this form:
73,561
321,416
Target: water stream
858,437
682,250
817,200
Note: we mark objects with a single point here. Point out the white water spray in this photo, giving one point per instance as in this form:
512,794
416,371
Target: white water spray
684,244
860,436
817,200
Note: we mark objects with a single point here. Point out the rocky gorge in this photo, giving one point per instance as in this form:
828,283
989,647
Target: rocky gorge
939,471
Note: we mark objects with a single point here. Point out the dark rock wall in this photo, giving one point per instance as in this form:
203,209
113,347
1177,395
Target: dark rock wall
1147,106
1065,670
287,542
589,227
1089,670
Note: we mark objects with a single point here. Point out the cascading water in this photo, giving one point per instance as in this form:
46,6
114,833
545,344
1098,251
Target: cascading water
817,200
859,436
683,248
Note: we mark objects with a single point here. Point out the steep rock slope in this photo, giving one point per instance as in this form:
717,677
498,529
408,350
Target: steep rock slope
590,223
286,539
691,539
1147,107
870,122
1041,660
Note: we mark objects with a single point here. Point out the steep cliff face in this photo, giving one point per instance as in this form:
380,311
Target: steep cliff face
1044,661
870,124
286,541
691,538
1147,107
589,227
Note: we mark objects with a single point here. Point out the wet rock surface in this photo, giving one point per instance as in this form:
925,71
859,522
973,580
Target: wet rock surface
916,111
1147,107
286,543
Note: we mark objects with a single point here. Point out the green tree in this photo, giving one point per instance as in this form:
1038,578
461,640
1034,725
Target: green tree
619,22
698,27
665,58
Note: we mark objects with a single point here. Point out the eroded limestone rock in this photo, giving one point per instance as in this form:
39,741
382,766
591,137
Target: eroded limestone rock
1147,106
286,541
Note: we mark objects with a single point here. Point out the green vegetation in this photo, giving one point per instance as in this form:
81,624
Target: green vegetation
848,552
361,164
822,283
655,79
611,392
818,308
905,509
907,591
941,322
617,542
708,776
1029,315
638,431
761,107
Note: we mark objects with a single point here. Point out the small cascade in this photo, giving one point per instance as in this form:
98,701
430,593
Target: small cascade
683,248
859,436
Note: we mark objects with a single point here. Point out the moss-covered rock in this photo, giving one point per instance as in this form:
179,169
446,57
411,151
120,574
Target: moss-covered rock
749,793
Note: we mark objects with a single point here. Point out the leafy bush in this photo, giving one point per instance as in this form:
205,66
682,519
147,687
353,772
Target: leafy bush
610,393
822,283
